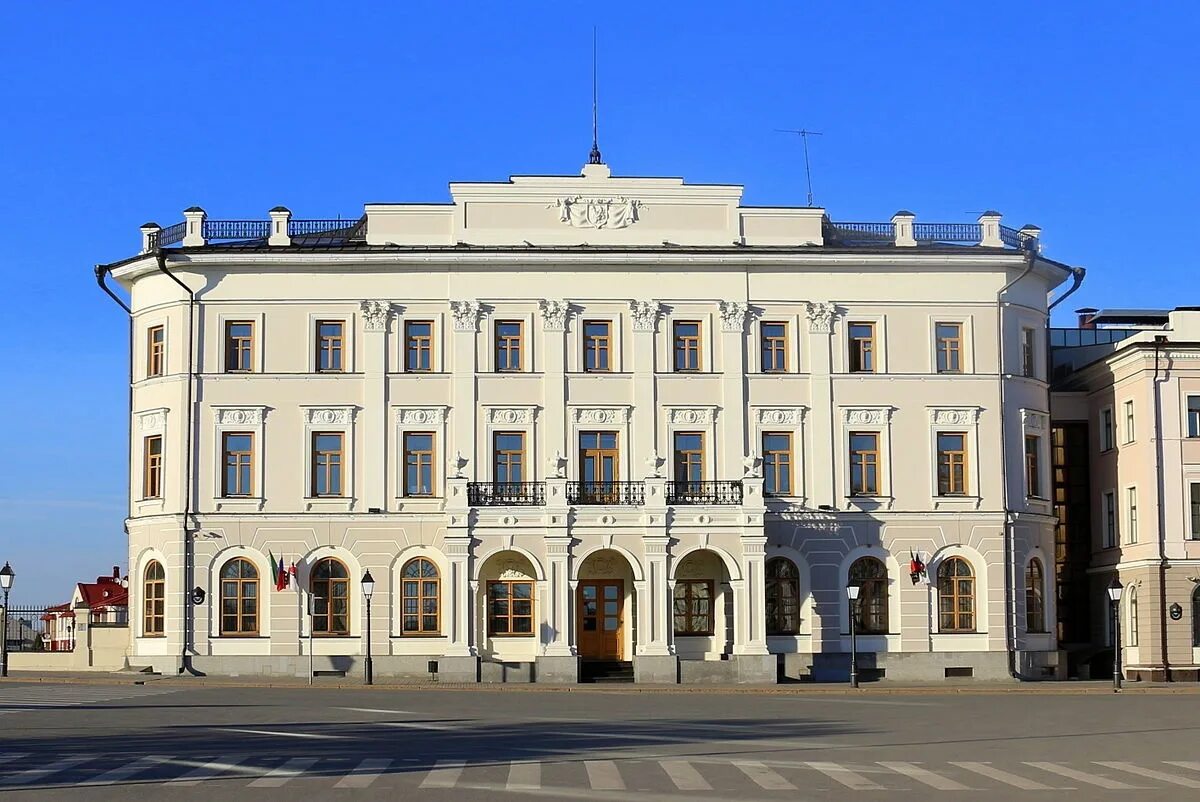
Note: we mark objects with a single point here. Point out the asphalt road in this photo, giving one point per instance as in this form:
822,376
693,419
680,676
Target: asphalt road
165,741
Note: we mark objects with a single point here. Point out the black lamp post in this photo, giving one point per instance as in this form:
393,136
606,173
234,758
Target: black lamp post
852,595
6,580
368,588
1114,595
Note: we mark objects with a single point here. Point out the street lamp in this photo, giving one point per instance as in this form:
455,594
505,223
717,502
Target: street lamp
1114,595
6,580
852,595
368,588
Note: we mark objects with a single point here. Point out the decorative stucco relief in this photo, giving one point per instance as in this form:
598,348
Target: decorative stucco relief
733,315
465,314
600,415
821,315
1033,420
152,420
329,416
965,416
779,416
421,416
554,314
581,212
692,416
510,415
866,416
375,315
645,314
242,416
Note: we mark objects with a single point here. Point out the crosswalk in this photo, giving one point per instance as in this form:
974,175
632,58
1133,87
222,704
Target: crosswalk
25,698
718,777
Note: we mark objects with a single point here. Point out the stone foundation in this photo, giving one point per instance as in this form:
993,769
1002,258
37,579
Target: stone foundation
656,669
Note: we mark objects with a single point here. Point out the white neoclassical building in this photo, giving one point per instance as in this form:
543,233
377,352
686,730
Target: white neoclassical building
587,425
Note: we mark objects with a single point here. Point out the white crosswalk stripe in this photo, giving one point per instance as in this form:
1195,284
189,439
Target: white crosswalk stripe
925,776
603,775
763,777
31,698
1090,778
39,773
1162,776
365,773
444,774
209,770
851,779
684,775
1006,777
116,775
285,773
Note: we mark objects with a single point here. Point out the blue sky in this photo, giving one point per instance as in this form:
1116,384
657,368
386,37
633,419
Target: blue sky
1079,117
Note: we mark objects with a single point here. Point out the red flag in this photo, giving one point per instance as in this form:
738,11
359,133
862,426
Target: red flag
281,576
292,574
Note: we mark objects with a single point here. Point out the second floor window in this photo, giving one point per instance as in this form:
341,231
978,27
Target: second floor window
508,449
686,336
1193,416
236,479
330,343
597,345
1130,430
327,464
1194,491
1131,515
239,346
773,347
949,347
862,347
418,346
952,464
1033,468
508,345
1028,352
1106,430
599,457
777,463
156,341
689,457
1110,520
418,464
864,463
152,467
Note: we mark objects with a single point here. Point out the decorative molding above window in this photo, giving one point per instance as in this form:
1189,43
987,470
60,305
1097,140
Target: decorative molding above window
554,314
239,416
600,415
692,416
821,315
1034,421
420,416
152,420
375,315
511,415
645,314
867,416
779,416
581,212
466,315
733,315
328,416
954,416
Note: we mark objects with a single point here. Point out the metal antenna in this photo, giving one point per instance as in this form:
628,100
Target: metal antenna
804,135
594,157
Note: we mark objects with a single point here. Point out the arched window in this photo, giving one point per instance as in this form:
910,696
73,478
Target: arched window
783,597
1196,617
154,595
239,598
419,591
870,574
1131,625
1035,599
956,596
330,587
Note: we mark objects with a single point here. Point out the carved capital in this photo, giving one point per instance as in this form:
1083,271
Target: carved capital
733,315
821,315
375,315
554,314
645,314
465,314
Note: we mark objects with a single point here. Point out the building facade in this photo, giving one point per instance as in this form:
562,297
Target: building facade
569,422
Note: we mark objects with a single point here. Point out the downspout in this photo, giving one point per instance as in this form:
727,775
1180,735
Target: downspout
1159,340
102,273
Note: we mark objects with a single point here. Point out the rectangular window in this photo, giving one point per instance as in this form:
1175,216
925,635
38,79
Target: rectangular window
152,467
1107,436
1195,499
239,346
686,335
694,607
864,464
1110,520
1033,466
1131,515
689,458
508,345
773,346
599,457
156,341
1129,427
1193,415
777,463
597,346
330,344
418,346
510,608
508,449
327,464
952,464
418,464
949,347
237,477
1028,352
862,347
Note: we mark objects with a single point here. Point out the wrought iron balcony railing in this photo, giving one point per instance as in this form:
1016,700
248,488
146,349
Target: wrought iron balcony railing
506,494
719,492
629,493
168,236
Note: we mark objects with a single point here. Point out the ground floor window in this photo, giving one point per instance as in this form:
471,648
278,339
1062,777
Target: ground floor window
870,574
510,608
956,596
419,591
694,607
783,597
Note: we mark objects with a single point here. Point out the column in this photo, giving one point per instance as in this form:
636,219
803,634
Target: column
373,360
463,365
558,552
458,590
644,426
823,434
750,595
554,383
732,424
655,626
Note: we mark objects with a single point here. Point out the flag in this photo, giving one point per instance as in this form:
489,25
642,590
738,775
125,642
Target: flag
281,576
292,574
274,568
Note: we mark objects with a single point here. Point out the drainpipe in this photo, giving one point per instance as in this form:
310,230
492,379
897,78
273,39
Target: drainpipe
102,273
1159,341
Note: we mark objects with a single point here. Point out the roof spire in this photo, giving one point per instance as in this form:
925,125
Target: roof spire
594,157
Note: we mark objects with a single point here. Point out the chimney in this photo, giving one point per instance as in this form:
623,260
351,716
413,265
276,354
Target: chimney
1086,314
116,572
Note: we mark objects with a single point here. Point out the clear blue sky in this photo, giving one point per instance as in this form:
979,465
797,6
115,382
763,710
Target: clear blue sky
1080,117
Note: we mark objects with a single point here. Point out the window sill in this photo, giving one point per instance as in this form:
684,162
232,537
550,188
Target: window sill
956,502
508,635
235,503
419,636
335,503
870,502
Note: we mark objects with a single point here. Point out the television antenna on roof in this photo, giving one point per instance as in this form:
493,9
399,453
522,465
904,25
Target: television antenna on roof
804,135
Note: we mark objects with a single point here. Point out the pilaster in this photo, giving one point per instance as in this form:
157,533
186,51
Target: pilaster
732,424
824,436
375,317
644,426
655,636
558,555
459,591
554,384
463,364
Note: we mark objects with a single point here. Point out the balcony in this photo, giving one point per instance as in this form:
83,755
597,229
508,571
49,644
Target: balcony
721,492
506,494
630,493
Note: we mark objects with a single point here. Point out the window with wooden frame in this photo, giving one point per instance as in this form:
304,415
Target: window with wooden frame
949,347
1194,499
327,464
1129,421
694,606
330,346
1131,624
773,341
599,467
152,466
418,464
239,346
508,458
237,478
154,600
1035,604
1193,416
510,608
783,597
239,598
330,588
1108,438
864,464
870,574
509,337
951,463
156,343
1028,352
1131,515
685,334
777,463
418,346
1033,467
689,459
597,346
862,347
956,596
420,593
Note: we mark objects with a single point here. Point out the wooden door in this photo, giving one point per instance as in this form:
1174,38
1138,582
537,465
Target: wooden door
599,458
601,604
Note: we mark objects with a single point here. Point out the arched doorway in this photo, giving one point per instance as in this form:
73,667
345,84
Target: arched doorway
604,607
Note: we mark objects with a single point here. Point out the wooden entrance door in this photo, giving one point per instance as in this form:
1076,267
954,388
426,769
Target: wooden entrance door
601,605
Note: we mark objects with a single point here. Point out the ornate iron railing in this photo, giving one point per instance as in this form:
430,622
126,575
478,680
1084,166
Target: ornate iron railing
629,493
719,492
168,236
301,228
236,229
1013,238
506,494
947,232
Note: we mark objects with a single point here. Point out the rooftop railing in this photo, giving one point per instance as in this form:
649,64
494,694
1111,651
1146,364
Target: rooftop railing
236,229
904,230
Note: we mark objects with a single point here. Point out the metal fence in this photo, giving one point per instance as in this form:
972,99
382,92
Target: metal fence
506,494
719,492
40,629
629,493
